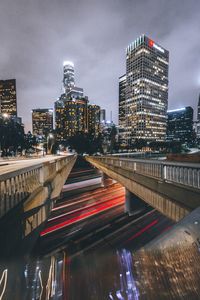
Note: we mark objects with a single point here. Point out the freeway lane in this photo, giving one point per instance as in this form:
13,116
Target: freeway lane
90,211
100,257
98,268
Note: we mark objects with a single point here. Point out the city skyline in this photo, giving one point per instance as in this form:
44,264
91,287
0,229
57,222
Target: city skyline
33,52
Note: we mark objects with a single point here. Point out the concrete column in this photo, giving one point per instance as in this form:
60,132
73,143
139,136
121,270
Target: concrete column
106,180
133,204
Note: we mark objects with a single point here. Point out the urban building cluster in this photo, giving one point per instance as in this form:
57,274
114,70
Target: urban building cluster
143,104
73,112
143,99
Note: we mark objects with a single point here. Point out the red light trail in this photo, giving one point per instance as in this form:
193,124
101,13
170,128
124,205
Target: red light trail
97,209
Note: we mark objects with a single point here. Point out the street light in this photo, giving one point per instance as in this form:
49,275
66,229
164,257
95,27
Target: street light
5,115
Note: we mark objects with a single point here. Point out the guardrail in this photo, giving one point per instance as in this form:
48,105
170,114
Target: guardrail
16,186
187,174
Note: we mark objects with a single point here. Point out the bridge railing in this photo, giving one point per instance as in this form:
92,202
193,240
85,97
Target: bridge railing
16,186
187,174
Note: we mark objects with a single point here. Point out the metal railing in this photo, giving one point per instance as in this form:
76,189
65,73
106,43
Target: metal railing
16,186
187,174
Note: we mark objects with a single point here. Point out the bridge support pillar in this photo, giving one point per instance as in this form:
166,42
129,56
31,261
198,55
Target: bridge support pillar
106,180
133,204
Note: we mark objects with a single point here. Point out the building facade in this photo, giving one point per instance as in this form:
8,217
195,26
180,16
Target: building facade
94,119
146,91
42,121
197,123
8,97
180,125
122,110
70,117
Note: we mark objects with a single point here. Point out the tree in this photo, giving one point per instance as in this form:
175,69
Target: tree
139,143
11,137
85,143
113,134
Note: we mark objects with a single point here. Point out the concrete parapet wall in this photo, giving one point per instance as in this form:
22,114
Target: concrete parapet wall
30,193
18,185
172,199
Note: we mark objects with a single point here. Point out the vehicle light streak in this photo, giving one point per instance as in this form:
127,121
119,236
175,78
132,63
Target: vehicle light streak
82,208
85,215
87,198
40,278
50,291
3,279
143,230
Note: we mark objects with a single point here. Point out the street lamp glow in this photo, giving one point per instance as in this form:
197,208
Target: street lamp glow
5,115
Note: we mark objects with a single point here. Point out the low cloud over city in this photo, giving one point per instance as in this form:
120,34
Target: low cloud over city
37,36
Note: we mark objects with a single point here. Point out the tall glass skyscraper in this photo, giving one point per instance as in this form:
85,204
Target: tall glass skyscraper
122,109
8,97
70,117
68,76
146,99
94,119
70,89
180,125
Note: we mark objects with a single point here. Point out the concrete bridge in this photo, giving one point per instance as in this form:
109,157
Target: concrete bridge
27,191
172,188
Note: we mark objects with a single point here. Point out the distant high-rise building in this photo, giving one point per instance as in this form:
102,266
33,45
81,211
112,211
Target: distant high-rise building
198,110
69,81
146,91
180,125
68,76
70,116
122,110
8,97
93,119
102,115
42,121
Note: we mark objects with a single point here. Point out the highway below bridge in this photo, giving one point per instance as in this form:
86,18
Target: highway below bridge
104,241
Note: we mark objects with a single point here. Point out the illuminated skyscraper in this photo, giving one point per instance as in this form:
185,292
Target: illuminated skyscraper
42,121
70,116
69,82
93,119
122,109
68,76
180,125
146,90
8,97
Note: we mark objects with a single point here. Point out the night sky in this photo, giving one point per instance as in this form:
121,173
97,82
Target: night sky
38,35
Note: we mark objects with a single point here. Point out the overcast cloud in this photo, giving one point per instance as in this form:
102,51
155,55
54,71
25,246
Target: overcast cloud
38,35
